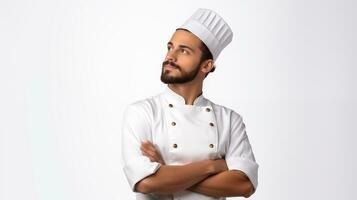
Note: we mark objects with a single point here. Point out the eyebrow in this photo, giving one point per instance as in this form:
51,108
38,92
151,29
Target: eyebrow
182,46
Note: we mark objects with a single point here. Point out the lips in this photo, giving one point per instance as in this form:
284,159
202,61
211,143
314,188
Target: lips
168,66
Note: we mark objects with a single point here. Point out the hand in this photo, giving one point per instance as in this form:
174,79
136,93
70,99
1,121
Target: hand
149,150
219,165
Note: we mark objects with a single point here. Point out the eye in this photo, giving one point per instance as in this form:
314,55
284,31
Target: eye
184,51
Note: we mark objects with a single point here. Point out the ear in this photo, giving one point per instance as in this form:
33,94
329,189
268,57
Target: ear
207,65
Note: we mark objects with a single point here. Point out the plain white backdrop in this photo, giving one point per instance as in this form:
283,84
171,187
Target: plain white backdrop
68,69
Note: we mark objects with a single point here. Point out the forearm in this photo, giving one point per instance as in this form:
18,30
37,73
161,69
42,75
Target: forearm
169,179
225,184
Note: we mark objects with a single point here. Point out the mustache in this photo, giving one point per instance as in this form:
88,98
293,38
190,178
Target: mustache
167,62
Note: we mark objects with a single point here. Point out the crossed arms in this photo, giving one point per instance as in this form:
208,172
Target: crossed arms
208,177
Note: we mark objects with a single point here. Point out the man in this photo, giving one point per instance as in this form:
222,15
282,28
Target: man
178,144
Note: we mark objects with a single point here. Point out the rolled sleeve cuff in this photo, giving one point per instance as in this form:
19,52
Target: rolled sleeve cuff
138,169
249,167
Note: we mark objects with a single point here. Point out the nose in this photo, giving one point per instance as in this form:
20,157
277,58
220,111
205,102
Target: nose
171,55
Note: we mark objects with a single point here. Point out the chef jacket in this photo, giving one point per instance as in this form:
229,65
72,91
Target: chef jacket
183,134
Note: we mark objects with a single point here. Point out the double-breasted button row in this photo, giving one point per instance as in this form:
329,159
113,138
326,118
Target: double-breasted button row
174,124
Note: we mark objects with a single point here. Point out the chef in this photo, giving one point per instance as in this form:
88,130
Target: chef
178,144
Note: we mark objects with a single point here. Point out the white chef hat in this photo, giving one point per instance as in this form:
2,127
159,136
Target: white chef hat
211,29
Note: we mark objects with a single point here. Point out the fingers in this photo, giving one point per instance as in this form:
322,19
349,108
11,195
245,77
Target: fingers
147,145
149,150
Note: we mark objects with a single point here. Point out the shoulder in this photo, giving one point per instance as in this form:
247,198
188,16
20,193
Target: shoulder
226,112
143,106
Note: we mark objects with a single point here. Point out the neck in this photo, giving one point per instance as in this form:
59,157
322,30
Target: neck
188,91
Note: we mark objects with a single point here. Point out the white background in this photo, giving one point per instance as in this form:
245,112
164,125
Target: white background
68,68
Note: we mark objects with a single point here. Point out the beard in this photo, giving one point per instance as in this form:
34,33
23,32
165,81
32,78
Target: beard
184,78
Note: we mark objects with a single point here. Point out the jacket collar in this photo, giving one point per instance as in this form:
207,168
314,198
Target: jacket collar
174,98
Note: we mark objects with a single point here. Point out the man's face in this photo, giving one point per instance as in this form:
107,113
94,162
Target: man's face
182,62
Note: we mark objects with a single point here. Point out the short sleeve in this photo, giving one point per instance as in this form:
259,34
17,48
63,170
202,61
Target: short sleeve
136,128
240,154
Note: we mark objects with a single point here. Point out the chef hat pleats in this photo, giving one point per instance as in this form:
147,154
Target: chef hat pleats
211,29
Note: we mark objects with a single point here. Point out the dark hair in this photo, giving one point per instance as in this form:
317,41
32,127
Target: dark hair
206,54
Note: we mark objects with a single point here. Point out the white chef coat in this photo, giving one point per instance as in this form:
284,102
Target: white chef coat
183,134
